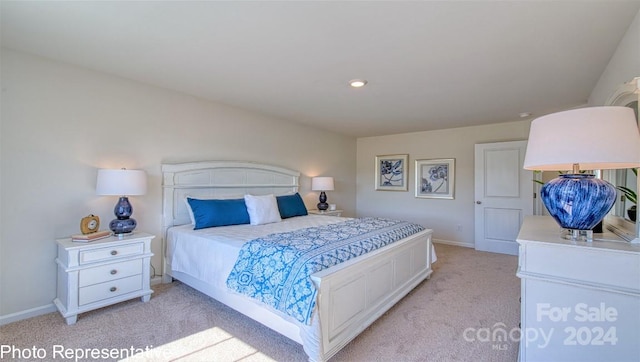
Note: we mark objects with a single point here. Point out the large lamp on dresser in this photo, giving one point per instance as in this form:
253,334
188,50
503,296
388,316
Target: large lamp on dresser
593,138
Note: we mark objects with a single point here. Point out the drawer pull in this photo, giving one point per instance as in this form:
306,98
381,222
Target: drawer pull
113,272
114,252
113,289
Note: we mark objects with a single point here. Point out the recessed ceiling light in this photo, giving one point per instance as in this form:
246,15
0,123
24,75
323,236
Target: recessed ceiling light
524,114
357,83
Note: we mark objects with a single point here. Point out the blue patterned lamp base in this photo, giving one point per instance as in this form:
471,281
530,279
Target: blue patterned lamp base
322,205
578,201
123,224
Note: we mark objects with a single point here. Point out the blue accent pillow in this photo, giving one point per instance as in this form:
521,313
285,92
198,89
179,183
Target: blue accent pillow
211,213
291,205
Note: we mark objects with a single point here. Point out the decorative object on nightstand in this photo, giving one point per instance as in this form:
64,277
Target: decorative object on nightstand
86,238
122,183
582,139
89,224
322,184
101,273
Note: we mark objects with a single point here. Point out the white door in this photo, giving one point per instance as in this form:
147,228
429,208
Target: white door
504,195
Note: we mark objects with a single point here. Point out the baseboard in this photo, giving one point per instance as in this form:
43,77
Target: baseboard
33,312
456,243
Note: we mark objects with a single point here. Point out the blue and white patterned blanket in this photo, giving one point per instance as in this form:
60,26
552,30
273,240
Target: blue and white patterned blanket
276,269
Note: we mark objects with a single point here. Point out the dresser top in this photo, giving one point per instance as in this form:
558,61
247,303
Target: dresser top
545,229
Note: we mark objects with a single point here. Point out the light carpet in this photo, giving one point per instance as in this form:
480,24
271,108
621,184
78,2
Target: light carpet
457,315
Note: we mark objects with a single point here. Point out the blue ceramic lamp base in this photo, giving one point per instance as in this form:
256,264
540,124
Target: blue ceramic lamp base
578,202
322,205
123,224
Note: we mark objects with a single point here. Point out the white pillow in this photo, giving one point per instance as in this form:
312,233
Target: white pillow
262,209
191,217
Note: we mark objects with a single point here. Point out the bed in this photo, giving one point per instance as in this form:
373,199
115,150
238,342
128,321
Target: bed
349,296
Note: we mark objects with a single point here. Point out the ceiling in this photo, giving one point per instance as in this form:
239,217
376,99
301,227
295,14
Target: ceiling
429,64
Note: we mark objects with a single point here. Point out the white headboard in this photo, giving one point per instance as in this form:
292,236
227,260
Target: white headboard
219,179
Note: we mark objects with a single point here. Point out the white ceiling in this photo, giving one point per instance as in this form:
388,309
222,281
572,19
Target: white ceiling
430,65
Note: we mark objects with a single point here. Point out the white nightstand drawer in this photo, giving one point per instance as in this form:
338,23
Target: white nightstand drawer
109,272
90,256
114,288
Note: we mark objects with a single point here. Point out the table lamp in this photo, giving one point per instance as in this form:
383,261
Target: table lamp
591,138
322,184
122,183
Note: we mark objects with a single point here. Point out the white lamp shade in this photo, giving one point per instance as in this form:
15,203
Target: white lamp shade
595,138
121,182
322,184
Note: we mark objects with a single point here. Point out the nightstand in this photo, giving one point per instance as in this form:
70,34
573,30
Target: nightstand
325,212
103,272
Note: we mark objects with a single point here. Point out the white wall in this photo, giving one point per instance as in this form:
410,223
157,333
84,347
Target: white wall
623,66
443,216
60,123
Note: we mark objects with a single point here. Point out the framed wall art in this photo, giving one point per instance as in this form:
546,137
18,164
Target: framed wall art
392,172
435,179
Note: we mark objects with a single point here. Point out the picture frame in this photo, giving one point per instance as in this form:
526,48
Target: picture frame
435,178
392,172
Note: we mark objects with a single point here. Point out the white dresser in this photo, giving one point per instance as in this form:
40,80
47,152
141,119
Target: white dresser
103,272
580,301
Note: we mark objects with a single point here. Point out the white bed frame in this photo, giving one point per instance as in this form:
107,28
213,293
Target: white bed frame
351,295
